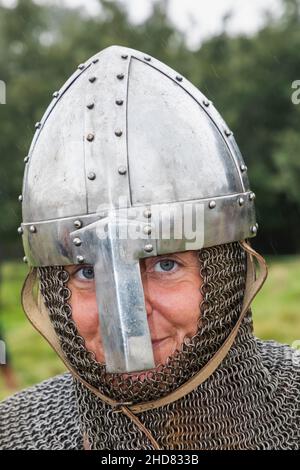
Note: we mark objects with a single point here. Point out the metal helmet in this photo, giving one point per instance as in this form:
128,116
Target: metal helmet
130,160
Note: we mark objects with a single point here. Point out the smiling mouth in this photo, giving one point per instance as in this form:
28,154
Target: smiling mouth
157,342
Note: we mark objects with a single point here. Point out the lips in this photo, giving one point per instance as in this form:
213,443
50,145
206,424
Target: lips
156,342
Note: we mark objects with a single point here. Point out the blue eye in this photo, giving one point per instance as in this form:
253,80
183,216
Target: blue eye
86,273
165,265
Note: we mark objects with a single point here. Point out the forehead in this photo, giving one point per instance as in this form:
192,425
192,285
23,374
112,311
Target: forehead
184,255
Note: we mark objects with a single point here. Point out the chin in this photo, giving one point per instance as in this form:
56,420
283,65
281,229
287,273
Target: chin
164,349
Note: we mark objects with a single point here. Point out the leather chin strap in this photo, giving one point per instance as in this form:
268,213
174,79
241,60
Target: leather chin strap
38,315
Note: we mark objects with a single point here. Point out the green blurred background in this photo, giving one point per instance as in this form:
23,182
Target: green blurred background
249,78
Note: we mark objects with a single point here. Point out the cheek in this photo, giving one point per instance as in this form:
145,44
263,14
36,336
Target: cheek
180,304
85,314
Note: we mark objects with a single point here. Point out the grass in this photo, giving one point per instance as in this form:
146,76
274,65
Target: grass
32,358
275,311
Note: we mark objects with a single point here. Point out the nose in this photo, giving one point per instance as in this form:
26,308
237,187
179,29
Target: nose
148,307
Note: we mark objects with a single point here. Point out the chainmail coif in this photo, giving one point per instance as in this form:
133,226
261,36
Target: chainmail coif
250,402
223,270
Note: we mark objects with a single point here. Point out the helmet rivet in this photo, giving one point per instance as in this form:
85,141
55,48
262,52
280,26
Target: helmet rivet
81,66
241,201
80,259
243,168
20,231
228,132
212,204
120,76
147,229
37,125
118,132
254,229
32,229
26,159
77,241
91,175
92,79
95,61
20,198
124,56
147,213
55,94
119,102
90,137
251,196
148,248
206,103
90,105
179,78
77,224
147,58
122,170
25,260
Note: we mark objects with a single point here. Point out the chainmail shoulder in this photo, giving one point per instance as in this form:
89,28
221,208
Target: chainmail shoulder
283,364
252,401
43,417
274,354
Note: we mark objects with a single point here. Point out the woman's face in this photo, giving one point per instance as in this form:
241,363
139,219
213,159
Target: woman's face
172,297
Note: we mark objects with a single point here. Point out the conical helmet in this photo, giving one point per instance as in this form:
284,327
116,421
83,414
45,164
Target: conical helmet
130,160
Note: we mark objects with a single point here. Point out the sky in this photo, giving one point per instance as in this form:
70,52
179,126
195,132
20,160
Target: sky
206,15
199,19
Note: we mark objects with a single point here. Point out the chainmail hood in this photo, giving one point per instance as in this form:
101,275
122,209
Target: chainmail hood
223,271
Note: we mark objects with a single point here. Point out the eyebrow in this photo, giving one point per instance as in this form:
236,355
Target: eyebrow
73,267
164,256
